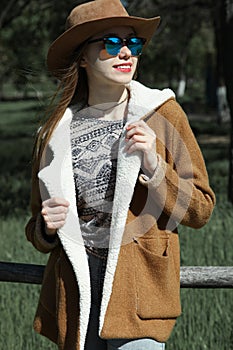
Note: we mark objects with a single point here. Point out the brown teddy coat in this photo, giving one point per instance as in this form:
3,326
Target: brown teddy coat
141,294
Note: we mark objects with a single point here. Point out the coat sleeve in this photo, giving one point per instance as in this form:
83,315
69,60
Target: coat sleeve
35,228
180,184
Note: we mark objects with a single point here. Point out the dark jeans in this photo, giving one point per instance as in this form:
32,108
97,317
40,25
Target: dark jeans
97,267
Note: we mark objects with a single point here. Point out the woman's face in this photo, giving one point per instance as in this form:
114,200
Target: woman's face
104,69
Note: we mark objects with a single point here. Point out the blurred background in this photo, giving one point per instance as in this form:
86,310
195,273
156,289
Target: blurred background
191,53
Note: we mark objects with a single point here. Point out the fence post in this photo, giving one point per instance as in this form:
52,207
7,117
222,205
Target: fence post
190,276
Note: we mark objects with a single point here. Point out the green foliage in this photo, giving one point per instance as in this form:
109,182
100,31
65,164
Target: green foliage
179,47
23,43
206,321
18,124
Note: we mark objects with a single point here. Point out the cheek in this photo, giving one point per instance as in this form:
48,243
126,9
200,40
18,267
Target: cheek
92,53
97,66
135,63
103,55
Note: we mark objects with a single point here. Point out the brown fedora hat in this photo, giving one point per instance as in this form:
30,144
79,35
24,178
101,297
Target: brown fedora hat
88,19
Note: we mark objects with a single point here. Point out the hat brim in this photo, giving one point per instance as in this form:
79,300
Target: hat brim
61,49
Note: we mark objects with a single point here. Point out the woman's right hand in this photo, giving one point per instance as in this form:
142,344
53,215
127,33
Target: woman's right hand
54,212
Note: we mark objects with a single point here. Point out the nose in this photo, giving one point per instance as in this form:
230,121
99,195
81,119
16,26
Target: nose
125,52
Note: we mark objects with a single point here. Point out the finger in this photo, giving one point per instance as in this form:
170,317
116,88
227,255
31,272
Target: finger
54,225
136,147
140,128
139,123
141,144
54,217
135,139
55,210
134,131
55,201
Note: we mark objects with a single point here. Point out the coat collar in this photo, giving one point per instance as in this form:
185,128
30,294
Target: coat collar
146,99
57,175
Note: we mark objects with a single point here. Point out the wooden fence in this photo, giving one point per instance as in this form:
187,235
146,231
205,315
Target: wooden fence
191,276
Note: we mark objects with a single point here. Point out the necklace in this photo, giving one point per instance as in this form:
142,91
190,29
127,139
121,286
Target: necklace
109,108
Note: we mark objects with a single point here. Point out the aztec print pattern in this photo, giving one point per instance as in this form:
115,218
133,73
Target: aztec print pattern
94,144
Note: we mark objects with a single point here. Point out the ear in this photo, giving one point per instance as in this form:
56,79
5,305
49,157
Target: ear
83,62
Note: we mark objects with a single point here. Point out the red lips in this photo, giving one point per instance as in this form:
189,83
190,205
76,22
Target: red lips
123,67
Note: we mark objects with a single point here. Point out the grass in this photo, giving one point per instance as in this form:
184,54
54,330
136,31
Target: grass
206,321
18,301
18,124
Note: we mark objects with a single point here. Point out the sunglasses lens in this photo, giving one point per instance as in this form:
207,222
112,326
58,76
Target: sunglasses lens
135,45
113,45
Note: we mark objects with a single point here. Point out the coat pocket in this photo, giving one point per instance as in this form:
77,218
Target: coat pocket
157,281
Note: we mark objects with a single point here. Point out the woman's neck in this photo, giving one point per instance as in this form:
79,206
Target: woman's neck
109,104
107,95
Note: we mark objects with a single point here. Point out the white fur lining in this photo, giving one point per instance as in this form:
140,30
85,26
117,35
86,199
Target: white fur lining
58,180
124,188
146,99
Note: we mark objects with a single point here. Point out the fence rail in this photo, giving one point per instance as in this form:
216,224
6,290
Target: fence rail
191,276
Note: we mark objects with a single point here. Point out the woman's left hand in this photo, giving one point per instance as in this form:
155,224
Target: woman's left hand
140,137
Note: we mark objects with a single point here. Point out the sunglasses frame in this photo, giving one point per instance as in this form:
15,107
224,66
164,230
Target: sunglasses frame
124,42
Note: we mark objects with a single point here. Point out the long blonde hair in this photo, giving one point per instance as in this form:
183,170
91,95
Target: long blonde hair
73,88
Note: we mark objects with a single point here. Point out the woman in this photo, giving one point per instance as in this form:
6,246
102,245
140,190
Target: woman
116,169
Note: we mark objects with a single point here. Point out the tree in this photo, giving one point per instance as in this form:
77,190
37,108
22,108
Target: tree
27,28
178,50
22,43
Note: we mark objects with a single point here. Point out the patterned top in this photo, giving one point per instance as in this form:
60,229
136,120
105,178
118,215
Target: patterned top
94,144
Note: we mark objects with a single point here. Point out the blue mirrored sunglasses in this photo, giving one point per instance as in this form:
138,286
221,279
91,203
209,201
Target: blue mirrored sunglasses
113,44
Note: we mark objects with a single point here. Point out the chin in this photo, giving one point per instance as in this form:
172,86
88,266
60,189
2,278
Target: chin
124,80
